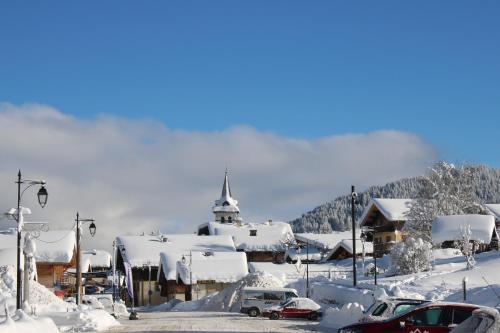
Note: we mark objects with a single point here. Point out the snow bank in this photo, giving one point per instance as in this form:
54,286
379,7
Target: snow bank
336,318
228,300
84,320
488,296
22,323
334,293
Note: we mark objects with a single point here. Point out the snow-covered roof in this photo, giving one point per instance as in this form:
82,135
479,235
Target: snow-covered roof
314,254
347,245
269,235
55,246
325,241
98,258
392,209
85,265
225,267
8,247
145,250
494,209
447,228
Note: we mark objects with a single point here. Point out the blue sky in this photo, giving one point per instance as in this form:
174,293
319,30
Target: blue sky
297,69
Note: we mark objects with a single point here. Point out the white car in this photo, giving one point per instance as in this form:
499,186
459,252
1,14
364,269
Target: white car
484,320
255,300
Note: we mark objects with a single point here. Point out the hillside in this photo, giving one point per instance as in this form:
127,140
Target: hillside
336,214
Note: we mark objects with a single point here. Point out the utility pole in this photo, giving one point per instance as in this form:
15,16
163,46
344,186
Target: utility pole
353,202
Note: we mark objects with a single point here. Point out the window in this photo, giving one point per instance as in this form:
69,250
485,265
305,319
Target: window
460,315
429,317
272,296
253,232
388,238
403,308
229,220
289,295
222,219
254,295
291,305
379,310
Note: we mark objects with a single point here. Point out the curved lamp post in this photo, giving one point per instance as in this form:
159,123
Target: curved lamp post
92,230
42,200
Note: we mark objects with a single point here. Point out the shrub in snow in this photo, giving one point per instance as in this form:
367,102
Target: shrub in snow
445,190
467,246
410,256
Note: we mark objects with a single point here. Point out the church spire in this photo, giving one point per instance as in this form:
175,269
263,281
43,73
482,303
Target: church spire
226,189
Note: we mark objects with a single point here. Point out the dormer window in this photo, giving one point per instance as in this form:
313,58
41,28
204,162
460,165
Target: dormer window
253,232
226,203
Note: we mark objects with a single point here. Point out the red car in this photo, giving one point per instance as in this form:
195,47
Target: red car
294,308
426,318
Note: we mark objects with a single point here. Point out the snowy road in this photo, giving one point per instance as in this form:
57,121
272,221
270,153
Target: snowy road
210,322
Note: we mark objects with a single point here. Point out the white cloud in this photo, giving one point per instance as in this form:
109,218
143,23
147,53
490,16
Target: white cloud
135,176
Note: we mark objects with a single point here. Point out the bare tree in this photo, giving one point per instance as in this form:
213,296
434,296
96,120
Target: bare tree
467,246
446,190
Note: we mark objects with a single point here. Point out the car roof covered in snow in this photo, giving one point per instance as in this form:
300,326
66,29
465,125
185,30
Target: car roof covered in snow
392,209
305,303
145,250
269,236
224,267
447,228
55,246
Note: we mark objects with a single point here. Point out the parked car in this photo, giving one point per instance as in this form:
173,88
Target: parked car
428,317
295,308
255,300
484,320
389,307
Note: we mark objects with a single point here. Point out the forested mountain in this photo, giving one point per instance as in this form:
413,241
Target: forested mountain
336,214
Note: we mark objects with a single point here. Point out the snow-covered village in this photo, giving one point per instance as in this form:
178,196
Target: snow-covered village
249,166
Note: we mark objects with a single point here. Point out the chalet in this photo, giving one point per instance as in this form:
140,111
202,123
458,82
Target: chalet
315,247
262,242
142,253
100,260
344,250
494,210
55,254
384,218
199,273
446,231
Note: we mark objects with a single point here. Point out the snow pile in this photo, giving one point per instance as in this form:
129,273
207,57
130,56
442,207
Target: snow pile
84,320
397,292
336,318
22,323
229,299
334,293
488,295
105,302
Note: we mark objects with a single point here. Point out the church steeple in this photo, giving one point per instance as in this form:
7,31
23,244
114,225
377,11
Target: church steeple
226,207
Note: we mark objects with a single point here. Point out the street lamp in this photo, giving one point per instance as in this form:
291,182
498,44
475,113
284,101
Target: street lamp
92,230
42,200
184,262
354,201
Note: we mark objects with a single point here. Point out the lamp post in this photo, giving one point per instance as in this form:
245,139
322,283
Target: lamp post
375,244
354,200
42,200
92,230
183,260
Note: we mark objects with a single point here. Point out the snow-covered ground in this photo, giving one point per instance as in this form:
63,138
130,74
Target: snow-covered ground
211,322
47,313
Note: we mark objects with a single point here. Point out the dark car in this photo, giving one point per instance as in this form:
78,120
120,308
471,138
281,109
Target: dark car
428,317
295,308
